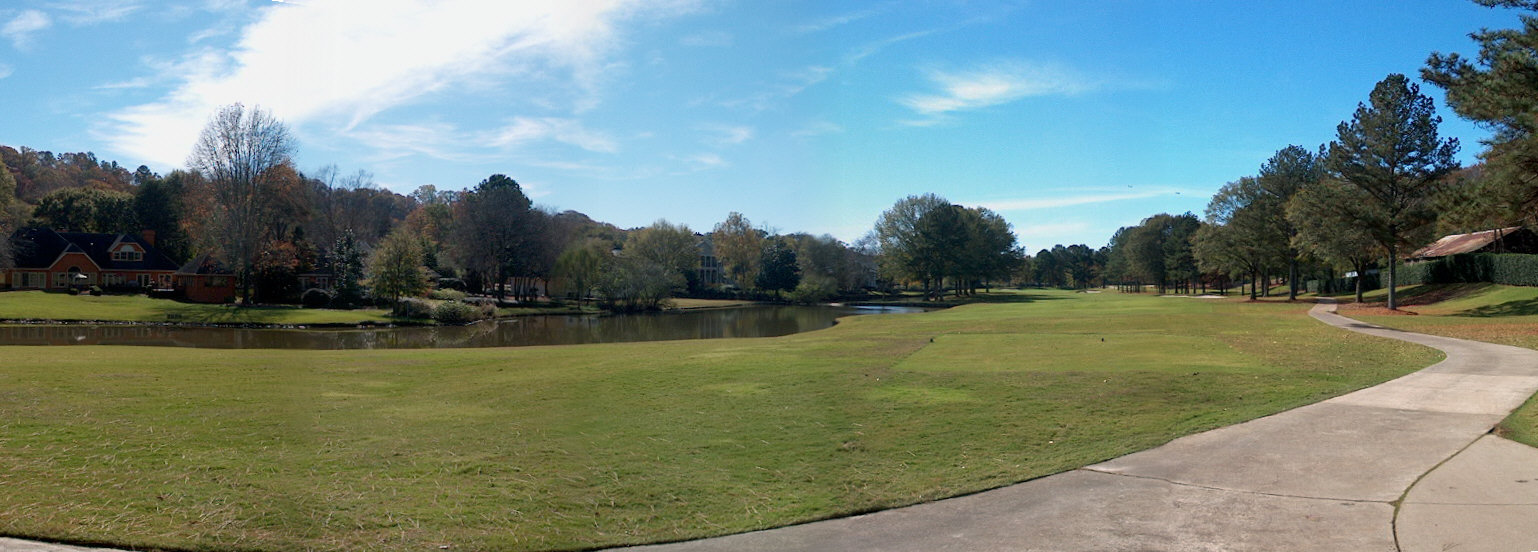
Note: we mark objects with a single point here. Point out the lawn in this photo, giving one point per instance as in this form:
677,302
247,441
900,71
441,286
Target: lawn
39,305
1482,312
583,446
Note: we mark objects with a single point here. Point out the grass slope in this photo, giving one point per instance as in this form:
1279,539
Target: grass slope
38,305
1481,312
584,446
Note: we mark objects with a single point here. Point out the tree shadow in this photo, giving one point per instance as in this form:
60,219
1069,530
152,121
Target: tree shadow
1524,307
1426,294
197,313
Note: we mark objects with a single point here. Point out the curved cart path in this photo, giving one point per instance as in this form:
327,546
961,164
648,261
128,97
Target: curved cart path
1322,477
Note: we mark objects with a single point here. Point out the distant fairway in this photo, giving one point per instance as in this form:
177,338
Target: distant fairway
582,446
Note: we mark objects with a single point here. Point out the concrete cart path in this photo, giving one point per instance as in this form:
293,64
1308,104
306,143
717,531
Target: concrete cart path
1321,477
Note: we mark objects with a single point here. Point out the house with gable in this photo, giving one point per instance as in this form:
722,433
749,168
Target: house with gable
51,260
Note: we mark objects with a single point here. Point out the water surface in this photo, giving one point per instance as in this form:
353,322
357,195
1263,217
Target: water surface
748,321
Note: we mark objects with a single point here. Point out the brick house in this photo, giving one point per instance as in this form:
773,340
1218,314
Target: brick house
205,280
50,260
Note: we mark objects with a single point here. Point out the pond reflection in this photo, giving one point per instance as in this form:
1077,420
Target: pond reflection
751,321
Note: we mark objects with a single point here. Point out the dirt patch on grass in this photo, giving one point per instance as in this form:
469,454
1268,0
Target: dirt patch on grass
1374,310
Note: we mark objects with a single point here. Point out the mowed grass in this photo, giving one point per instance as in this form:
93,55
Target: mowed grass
38,305
584,446
1482,312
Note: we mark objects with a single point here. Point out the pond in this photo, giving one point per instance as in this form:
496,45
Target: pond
749,321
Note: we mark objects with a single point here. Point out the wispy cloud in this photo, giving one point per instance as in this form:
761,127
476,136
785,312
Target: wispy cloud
993,84
21,28
567,131
872,48
1069,201
382,54
6,70
91,12
826,23
726,135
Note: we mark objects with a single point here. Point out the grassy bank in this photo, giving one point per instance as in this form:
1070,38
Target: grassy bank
38,305
582,446
1482,312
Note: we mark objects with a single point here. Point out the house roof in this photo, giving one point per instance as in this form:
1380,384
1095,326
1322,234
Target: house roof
39,248
1462,243
204,264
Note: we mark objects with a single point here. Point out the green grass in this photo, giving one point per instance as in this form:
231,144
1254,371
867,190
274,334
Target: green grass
38,305
582,446
1482,312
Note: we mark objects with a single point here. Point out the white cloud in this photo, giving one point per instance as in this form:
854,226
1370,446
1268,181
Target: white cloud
993,84
6,70
366,56
91,12
21,29
566,131
1070,201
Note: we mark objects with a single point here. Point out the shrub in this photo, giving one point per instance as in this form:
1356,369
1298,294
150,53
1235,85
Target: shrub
814,288
412,307
484,305
447,295
316,298
74,291
454,312
96,291
1504,268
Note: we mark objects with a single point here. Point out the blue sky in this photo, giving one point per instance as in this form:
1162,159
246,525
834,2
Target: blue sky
1069,118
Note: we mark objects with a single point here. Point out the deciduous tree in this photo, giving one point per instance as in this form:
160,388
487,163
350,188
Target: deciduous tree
395,267
245,157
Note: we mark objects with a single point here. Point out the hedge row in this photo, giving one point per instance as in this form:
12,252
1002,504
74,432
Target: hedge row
1499,268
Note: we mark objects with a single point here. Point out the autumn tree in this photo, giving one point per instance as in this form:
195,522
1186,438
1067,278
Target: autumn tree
674,247
7,224
1390,150
243,155
739,246
395,267
580,266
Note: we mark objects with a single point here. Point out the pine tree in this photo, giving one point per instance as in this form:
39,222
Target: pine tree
1390,151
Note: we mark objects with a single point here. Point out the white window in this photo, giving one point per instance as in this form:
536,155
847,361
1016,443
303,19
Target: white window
145,279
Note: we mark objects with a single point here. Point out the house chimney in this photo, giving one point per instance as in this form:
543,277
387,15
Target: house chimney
149,237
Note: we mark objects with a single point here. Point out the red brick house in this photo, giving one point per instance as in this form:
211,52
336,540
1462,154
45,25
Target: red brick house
205,280
51,260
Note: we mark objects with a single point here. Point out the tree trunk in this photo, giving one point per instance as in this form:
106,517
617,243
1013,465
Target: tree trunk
1292,279
1393,282
1360,270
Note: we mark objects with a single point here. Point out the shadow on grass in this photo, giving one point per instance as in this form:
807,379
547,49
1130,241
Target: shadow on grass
953,301
193,313
1525,307
1426,294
